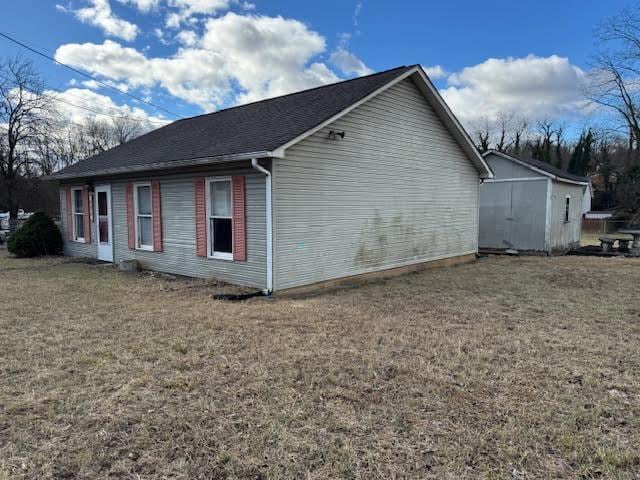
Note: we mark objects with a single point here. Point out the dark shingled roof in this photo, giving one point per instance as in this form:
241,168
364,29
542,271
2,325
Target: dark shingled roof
255,127
546,167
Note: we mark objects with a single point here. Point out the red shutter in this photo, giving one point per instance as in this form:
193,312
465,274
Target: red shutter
239,219
131,227
201,217
156,206
67,195
86,208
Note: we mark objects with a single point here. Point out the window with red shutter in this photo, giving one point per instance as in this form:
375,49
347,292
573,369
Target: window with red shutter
131,227
239,218
69,207
200,217
157,216
86,206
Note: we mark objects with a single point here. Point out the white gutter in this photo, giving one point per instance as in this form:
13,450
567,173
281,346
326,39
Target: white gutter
267,173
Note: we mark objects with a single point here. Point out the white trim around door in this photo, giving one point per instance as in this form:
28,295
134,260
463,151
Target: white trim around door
104,224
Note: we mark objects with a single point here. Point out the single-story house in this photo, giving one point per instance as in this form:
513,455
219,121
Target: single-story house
530,206
373,174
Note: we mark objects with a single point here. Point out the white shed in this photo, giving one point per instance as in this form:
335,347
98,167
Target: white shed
530,206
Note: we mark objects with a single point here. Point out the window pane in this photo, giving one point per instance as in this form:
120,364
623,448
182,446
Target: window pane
144,231
77,201
102,203
103,226
221,235
144,200
79,225
221,199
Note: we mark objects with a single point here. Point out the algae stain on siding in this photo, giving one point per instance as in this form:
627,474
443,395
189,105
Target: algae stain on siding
372,242
379,235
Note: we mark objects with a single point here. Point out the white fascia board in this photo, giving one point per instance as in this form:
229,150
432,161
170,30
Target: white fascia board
430,92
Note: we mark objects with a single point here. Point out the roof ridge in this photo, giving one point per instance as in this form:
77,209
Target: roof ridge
296,92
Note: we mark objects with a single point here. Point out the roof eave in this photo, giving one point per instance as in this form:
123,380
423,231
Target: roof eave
191,162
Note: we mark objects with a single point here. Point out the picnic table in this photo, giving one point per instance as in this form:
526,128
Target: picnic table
635,246
635,233
607,243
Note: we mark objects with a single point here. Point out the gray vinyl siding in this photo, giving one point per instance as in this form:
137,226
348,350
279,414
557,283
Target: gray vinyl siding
503,168
71,248
396,190
179,236
565,235
513,215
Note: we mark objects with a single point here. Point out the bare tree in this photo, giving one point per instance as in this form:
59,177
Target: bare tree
481,130
519,132
559,134
125,129
103,134
504,122
25,113
614,81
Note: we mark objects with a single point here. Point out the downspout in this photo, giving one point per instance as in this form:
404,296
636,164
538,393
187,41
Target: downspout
267,173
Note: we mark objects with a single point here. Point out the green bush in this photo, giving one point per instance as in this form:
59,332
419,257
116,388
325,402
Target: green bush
39,235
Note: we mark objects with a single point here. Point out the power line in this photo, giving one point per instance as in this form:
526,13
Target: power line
80,72
138,119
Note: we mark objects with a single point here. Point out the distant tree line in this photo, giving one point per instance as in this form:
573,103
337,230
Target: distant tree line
596,153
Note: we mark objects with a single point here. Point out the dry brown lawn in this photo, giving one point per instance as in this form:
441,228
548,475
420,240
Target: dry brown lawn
509,368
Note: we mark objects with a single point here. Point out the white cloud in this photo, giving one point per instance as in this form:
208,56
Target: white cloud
348,63
188,38
95,85
142,5
187,9
74,102
435,72
109,59
534,87
238,59
99,14
267,55
159,34
357,11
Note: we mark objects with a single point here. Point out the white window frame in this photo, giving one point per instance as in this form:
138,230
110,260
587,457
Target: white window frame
567,209
76,238
136,215
210,252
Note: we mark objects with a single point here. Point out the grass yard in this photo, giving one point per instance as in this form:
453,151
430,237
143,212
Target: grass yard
511,368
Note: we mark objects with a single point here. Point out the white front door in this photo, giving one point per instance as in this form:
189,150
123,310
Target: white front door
104,231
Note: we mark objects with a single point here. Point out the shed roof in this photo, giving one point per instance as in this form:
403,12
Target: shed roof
538,165
254,130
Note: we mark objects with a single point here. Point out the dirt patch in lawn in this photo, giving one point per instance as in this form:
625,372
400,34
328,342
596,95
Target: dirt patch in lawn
508,368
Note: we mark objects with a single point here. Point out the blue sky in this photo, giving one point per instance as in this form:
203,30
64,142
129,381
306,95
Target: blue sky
190,56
